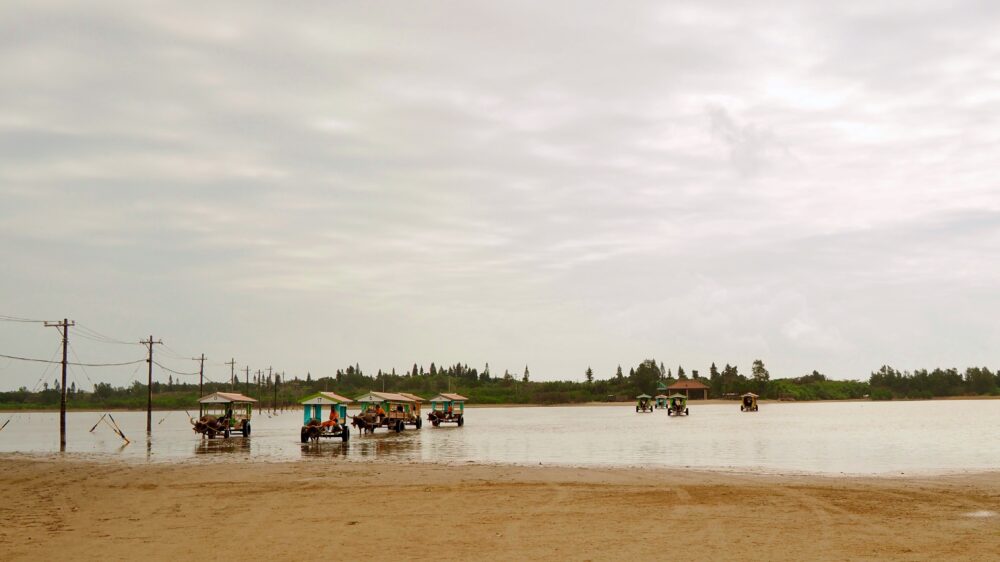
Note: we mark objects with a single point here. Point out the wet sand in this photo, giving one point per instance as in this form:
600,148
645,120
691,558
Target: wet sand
81,510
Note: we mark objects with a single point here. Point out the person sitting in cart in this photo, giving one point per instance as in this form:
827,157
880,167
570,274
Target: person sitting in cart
451,408
334,420
380,412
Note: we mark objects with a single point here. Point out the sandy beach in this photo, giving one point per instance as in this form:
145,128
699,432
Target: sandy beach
84,510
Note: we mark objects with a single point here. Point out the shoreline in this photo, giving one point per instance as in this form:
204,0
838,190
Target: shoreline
117,510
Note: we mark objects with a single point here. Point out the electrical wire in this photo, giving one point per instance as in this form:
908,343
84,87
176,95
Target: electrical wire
91,333
70,363
164,367
5,318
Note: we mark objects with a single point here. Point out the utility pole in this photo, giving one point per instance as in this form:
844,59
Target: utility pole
268,380
65,324
259,397
149,384
274,402
232,372
248,381
201,375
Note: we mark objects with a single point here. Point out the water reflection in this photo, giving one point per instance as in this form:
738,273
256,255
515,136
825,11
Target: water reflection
337,449
222,446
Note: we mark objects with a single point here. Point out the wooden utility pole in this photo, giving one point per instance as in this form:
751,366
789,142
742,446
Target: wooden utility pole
259,397
201,375
149,383
274,402
248,381
268,380
232,372
65,324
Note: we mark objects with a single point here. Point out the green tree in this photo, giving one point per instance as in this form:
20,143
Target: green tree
645,376
760,375
590,375
619,375
680,373
526,374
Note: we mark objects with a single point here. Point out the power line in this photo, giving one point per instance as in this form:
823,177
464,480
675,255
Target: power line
5,318
69,363
105,338
165,368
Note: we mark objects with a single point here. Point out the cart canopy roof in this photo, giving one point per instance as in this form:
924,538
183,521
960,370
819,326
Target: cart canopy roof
325,398
413,397
678,395
373,397
225,398
658,396
750,394
449,397
641,396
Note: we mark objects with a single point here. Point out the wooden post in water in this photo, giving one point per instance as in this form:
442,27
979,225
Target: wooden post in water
149,384
65,324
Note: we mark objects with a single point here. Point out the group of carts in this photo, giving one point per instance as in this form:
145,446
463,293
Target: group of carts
676,404
225,414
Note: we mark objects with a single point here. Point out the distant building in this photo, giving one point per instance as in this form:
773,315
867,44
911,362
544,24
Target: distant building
690,388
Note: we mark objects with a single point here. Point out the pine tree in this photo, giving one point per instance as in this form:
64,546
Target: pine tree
590,375
414,371
619,375
680,372
525,378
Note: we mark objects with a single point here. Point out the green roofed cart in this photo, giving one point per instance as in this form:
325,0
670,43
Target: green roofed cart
644,403
447,408
223,413
385,409
677,405
661,400
314,426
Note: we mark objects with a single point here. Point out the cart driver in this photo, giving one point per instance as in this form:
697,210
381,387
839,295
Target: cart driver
334,420
451,408
380,412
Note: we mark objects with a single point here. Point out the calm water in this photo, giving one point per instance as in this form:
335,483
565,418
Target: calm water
831,438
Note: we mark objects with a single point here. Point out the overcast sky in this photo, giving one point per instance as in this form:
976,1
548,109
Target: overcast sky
557,184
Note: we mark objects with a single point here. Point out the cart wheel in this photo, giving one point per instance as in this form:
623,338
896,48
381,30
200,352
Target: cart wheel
345,434
420,423
246,429
461,421
686,411
305,436
399,426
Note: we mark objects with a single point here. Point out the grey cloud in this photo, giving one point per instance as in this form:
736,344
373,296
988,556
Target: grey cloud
506,182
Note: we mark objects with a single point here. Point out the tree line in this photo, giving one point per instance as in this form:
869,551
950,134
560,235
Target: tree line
485,387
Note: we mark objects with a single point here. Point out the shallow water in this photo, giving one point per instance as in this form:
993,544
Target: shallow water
862,438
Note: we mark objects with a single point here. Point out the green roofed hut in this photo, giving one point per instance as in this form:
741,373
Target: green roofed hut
447,407
223,413
644,403
316,424
385,409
